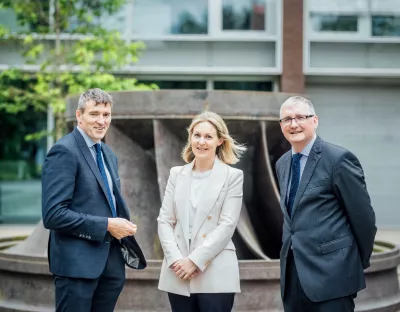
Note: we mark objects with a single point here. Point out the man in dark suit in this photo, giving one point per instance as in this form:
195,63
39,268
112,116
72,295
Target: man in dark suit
85,212
329,223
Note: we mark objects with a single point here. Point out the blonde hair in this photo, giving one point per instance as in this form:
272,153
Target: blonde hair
228,152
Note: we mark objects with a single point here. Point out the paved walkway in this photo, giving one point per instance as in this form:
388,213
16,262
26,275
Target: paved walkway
391,236
15,230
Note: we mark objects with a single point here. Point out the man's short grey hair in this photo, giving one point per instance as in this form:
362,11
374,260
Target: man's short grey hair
97,95
297,100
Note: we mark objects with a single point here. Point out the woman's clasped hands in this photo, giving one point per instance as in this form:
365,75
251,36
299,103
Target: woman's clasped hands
185,269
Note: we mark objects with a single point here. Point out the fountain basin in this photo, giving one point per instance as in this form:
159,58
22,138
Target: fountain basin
27,286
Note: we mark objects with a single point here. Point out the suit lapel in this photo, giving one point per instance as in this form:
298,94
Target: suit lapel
287,162
211,192
89,159
312,161
111,169
182,198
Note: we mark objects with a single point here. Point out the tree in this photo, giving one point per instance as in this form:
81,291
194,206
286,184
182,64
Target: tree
82,55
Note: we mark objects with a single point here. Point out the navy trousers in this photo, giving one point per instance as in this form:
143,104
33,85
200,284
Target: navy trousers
93,295
219,302
295,300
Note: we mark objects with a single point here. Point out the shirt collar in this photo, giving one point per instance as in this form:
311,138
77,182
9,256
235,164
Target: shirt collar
306,150
89,141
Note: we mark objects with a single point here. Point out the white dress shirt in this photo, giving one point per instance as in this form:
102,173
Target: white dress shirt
198,182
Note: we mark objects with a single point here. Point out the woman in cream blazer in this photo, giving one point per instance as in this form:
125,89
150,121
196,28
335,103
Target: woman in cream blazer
198,217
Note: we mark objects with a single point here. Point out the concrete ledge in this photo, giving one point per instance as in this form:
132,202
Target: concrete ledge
26,285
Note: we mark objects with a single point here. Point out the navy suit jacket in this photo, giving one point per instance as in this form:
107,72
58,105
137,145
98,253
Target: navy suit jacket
75,207
332,227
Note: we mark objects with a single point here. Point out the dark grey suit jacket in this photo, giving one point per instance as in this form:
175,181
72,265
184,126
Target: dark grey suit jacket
332,228
75,207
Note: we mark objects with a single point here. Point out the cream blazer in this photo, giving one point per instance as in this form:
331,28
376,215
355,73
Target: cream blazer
212,249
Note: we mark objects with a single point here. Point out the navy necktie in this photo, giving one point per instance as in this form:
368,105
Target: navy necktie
102,169
295,181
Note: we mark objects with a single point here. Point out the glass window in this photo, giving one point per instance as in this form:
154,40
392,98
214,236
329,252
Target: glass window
243,85
243,15
385,25
9,20
183,85
328,22
20,166
115,21
166,17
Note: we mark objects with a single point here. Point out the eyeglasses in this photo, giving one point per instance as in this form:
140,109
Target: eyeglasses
299,119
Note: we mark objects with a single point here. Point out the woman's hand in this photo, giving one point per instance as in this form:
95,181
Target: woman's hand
184,268
173,265
194,274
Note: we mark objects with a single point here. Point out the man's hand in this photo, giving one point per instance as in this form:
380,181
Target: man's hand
184,268
120,228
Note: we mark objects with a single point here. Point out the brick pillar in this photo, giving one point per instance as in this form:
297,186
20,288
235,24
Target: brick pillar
292,79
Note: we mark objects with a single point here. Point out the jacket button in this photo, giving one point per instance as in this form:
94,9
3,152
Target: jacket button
204,235
209,217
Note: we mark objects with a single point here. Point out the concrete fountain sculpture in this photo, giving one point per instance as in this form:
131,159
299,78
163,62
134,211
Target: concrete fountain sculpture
147,134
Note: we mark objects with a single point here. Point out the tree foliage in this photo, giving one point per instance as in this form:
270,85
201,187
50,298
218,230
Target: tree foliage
72,50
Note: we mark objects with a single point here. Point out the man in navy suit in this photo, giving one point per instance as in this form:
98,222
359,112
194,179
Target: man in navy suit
329,223
85,212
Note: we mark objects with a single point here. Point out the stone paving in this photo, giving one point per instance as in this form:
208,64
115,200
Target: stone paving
15,230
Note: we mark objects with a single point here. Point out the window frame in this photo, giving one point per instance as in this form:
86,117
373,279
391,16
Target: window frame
216,22
364,25
362,36
215,31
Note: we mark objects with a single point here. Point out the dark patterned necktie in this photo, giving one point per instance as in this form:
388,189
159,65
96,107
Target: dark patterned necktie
294,184
102,169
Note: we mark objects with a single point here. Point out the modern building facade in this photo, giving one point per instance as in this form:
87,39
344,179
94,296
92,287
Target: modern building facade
342,54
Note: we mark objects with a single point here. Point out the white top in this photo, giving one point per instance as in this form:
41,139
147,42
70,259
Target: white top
198,182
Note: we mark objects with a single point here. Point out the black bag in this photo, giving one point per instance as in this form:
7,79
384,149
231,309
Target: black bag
132,253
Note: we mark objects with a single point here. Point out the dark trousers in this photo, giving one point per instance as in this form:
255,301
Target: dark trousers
221,302
295,300
93,295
